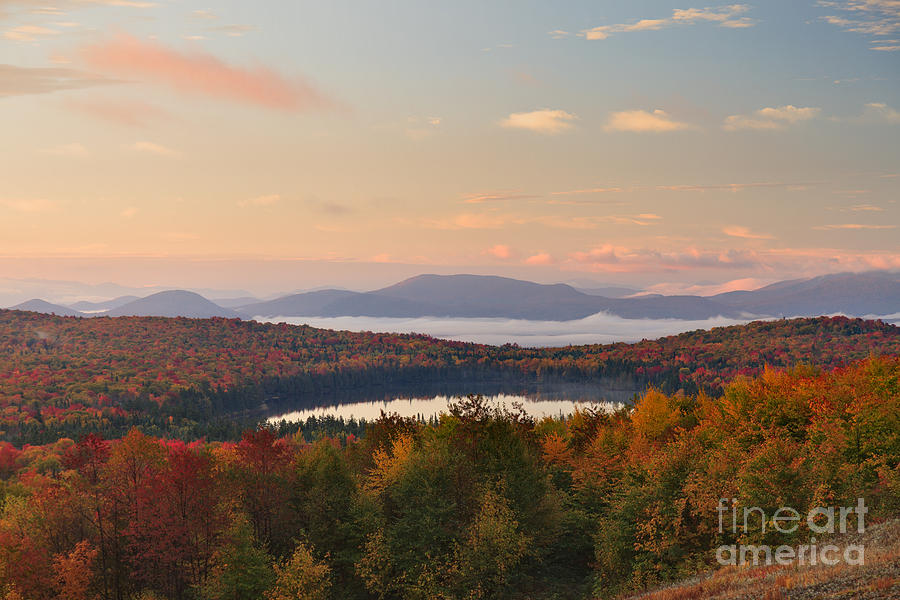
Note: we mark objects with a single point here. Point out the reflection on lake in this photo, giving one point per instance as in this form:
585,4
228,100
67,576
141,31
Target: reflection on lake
427,407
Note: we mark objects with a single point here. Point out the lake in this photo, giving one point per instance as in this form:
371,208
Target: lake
538,400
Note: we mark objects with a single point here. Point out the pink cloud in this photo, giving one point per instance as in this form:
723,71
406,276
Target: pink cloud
501,251
774,263
469,221
481,197
620,259
739,231
599,190
681,288
540,259
201,73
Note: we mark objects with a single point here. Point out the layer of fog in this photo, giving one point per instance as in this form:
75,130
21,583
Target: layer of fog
893,319
600,328
432,407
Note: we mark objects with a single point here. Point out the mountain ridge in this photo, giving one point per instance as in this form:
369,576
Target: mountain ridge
480,296
42,306
874,293
172,303
488,296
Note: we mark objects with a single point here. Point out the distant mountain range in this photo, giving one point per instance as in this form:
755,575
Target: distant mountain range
482,296
479,296
858,294
174,303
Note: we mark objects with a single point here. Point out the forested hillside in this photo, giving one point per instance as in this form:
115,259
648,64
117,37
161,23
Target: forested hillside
485,504
64,376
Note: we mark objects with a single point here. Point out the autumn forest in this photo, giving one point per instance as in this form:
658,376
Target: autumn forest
133,466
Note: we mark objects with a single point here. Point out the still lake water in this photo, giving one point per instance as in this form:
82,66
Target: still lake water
538,401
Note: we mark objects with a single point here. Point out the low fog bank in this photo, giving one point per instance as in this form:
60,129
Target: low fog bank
893,319
600,328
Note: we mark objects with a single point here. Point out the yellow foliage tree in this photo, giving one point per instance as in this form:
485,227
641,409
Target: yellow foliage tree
301,577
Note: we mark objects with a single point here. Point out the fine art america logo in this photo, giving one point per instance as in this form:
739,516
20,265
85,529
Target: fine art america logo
786,520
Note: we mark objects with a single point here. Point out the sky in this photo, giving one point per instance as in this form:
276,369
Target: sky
280,145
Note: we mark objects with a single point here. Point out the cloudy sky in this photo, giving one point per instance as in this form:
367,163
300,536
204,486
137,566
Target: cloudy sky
640,142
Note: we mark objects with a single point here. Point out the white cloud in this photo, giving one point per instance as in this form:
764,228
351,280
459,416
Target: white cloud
869,17
496,220
743,232
730,16
598,190
726,16
541,121
235,30
732,187
642,121
419,128
591,222
267,200
20,81
60,7
472,221
789,113
74,150
494,196
853,226
771,118
157,149
33,205
28,33
604,31
862,208
883,112
128,3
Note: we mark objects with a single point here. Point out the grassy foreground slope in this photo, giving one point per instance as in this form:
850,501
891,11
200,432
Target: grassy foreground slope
877,579
64,376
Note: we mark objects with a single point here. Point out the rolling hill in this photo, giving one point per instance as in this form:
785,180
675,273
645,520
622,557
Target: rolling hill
857,294
114,373
42,306
174,303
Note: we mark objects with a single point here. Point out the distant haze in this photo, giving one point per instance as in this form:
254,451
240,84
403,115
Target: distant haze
596,329
499,310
